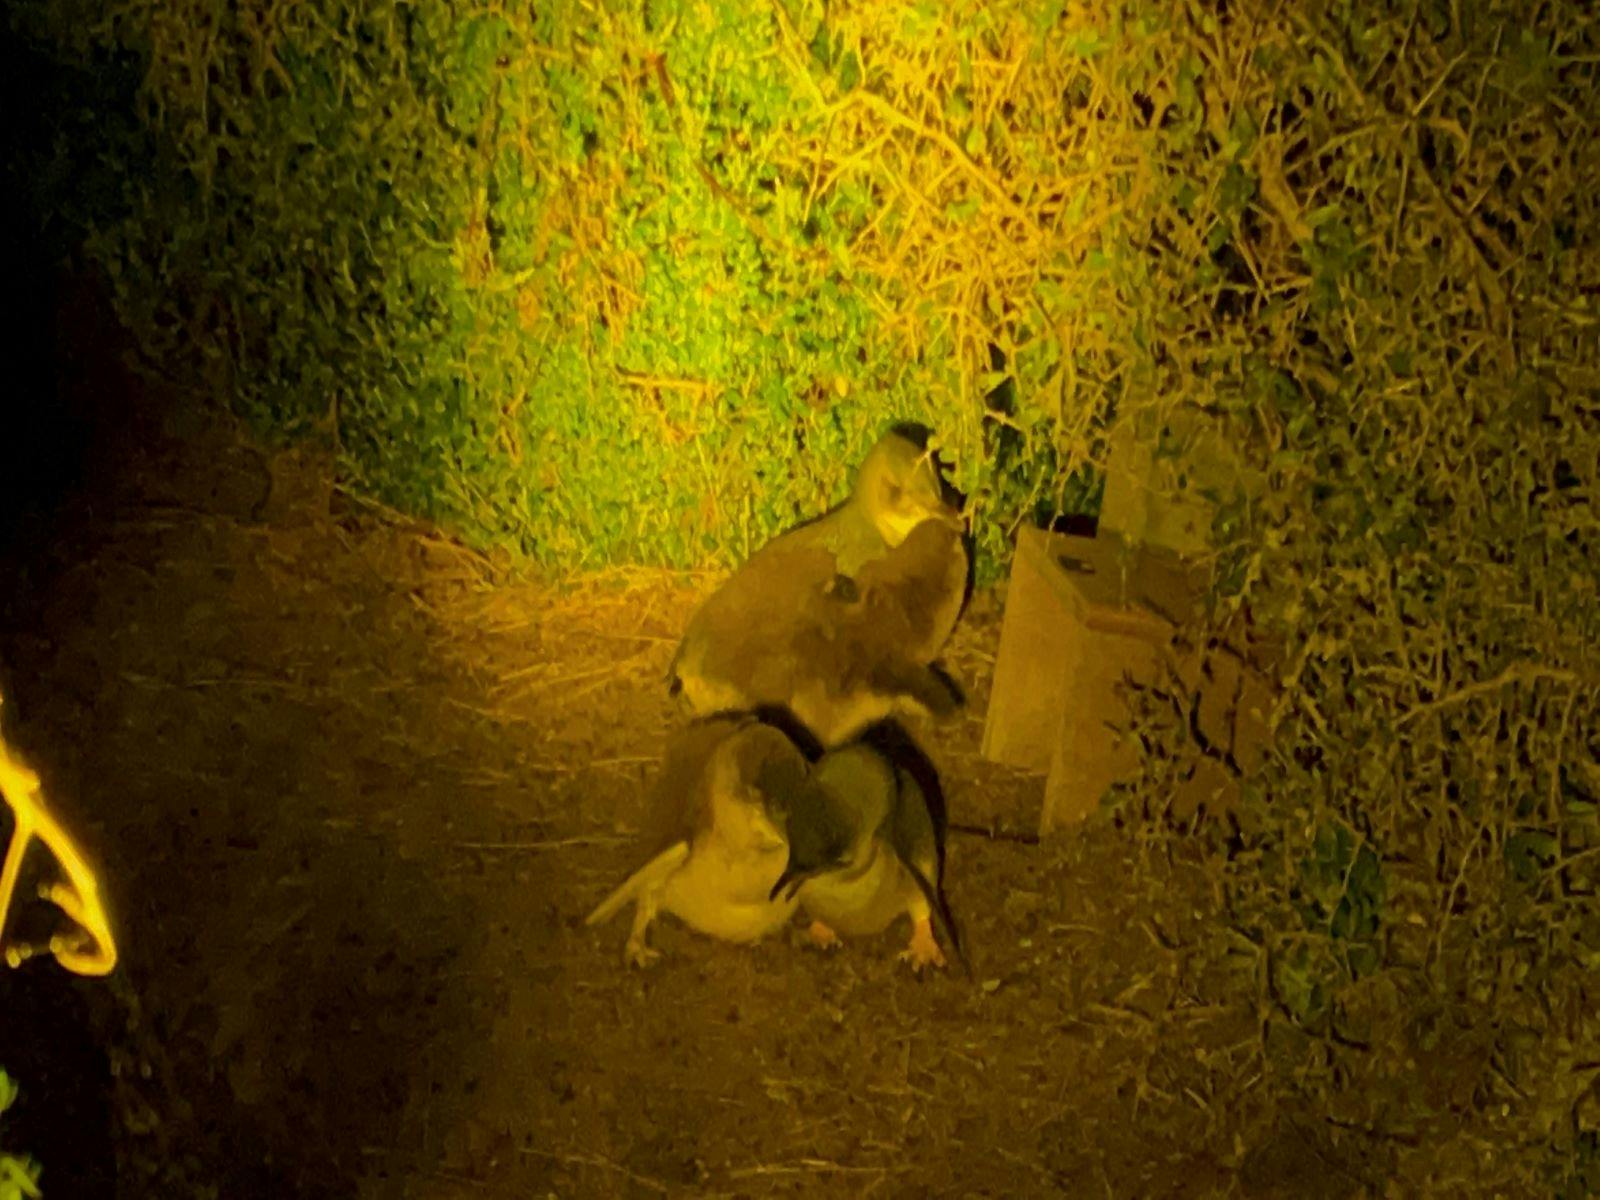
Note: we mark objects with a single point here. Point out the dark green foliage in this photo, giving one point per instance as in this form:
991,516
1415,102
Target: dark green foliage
1414,869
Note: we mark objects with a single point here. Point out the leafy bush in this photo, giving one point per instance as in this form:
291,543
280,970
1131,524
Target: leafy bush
632,285
1402,346
19,1175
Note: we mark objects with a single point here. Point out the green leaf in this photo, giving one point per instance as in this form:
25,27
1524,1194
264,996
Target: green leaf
19,1178
963,211
1089,43
1047,16
1076,207
1242,133
1529,852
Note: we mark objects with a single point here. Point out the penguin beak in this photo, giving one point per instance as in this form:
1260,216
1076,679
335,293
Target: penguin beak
790,879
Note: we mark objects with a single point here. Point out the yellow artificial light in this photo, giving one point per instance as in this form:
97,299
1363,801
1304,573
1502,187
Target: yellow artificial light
79,898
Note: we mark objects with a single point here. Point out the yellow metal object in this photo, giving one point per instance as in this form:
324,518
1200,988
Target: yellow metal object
92,951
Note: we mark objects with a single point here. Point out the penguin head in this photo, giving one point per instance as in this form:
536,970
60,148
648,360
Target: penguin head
900,487
755,778
779,777
821,836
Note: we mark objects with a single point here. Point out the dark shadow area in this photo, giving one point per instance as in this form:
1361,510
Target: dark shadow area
63,1112
284,1023
65,407
285,967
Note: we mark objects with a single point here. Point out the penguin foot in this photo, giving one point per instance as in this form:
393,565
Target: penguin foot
822,937
924,949
637,954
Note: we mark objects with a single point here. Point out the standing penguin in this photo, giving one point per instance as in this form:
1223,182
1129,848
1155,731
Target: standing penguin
841,619
866,844
716,832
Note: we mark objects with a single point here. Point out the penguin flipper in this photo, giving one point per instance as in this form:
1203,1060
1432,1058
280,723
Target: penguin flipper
928,687
948,681
647,879
921,822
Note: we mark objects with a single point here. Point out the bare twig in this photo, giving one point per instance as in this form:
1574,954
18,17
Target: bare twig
1516,673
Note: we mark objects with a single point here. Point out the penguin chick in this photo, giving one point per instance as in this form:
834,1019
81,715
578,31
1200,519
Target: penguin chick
864,648
897,487
840,618
841,653
866,844
716,830
915,594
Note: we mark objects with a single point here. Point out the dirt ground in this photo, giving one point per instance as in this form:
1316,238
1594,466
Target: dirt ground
352,794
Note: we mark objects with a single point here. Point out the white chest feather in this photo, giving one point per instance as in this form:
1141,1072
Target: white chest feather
863,901
722,891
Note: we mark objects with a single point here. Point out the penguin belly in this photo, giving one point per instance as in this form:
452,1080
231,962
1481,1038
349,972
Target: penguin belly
862,902
725,896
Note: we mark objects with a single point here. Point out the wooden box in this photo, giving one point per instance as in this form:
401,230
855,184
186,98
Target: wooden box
1081,615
